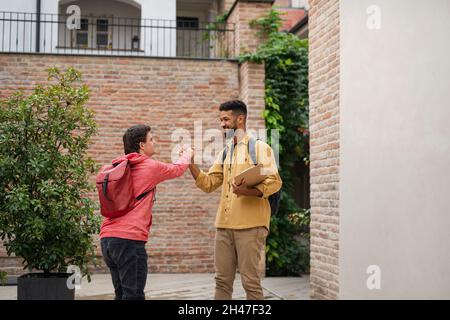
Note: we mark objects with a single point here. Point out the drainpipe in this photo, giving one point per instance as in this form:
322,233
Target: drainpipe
38,25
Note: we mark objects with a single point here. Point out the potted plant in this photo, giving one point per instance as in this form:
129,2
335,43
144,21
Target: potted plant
45,217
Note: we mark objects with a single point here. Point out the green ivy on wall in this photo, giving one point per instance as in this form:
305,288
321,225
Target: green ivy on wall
285,57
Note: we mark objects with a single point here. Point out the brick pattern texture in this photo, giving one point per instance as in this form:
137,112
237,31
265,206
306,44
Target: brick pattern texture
167,94
252,92
252,75
324,127
245,36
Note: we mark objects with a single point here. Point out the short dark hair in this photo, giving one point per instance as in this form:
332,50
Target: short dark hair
237,106
133,136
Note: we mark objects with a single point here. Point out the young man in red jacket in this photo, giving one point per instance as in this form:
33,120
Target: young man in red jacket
123,238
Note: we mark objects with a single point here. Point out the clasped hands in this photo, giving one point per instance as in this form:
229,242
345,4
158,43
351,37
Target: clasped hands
240,189
186,149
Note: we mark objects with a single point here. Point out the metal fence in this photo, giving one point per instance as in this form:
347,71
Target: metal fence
111,35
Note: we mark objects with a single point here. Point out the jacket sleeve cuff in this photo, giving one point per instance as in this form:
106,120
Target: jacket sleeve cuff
262,188
200,179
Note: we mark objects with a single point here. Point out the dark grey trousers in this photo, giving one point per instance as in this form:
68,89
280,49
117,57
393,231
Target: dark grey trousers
127,262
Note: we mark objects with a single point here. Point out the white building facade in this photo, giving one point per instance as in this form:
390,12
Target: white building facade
120,27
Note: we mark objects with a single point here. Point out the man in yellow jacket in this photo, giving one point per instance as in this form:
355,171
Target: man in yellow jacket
243,217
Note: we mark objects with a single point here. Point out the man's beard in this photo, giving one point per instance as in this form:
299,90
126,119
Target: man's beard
229,133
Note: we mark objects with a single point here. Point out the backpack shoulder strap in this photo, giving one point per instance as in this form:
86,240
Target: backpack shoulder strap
252,149
225,151
224,154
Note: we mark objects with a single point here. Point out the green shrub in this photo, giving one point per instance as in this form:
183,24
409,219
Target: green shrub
45,217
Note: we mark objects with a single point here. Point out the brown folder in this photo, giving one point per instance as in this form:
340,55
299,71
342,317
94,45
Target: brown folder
252,176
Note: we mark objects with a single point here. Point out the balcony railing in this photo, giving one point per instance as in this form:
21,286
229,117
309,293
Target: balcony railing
111,35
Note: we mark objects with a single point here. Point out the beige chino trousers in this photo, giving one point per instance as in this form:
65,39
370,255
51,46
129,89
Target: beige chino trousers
243,249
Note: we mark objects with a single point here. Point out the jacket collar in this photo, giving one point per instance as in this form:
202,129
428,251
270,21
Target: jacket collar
244,140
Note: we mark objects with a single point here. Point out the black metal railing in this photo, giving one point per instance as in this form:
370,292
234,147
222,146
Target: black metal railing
111,35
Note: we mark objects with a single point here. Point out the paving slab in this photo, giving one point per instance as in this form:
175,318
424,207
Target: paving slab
184,287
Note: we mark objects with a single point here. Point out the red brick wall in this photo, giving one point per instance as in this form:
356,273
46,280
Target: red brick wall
251,75
324,128
242,14
252,92
167,94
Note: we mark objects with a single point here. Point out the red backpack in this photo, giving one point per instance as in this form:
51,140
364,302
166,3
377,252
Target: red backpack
115,190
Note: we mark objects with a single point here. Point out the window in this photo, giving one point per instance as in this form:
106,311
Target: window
82,33
102,32
187,23
189,37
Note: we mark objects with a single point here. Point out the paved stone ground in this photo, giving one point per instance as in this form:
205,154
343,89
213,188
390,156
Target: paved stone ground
184,287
